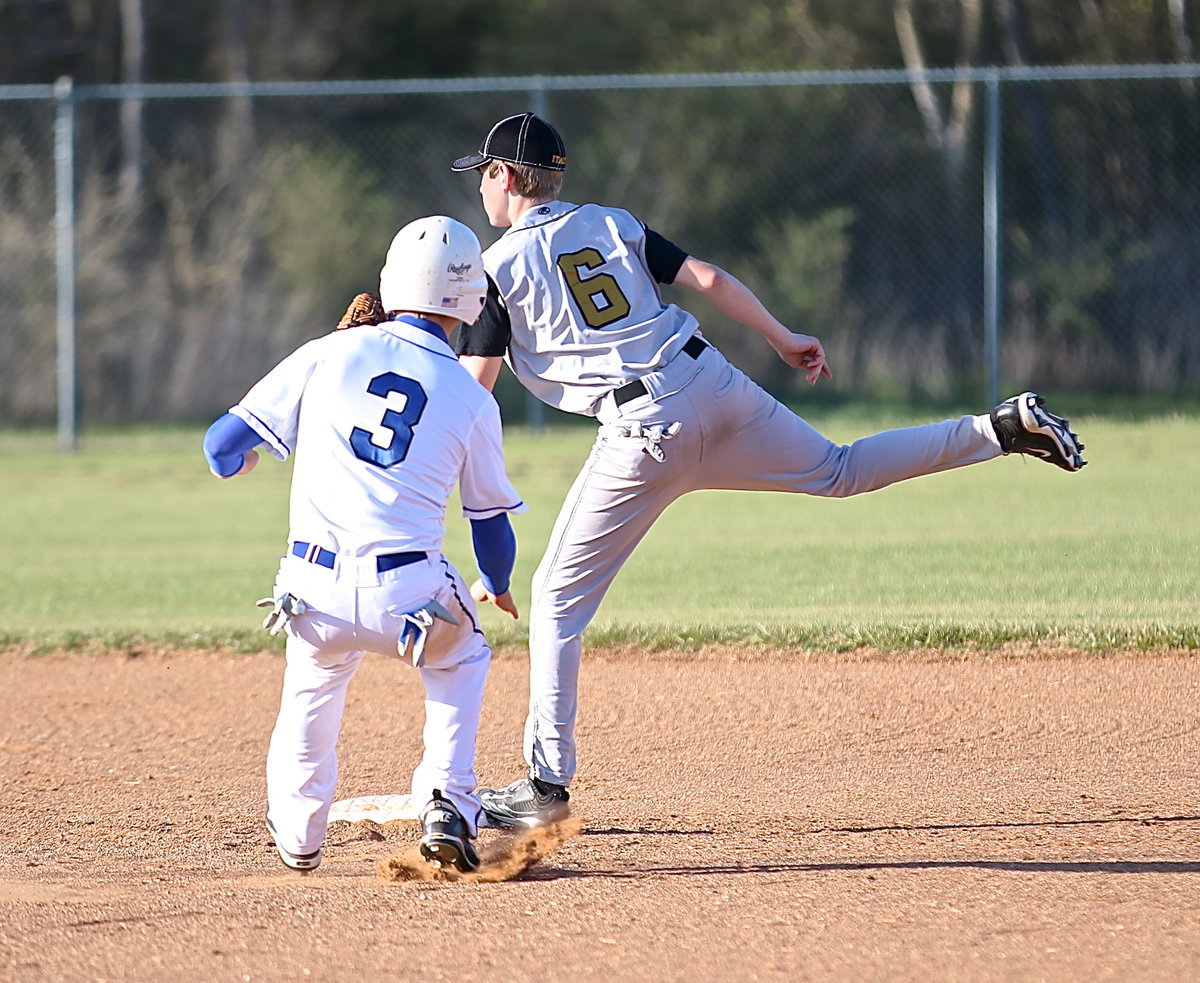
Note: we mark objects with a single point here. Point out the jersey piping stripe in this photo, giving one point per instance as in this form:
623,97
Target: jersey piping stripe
274,436
454,589
422,323
417,344
497,508
538,225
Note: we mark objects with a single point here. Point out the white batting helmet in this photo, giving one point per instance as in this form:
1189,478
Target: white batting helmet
434,266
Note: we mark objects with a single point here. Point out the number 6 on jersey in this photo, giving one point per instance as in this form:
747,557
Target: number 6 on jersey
598,297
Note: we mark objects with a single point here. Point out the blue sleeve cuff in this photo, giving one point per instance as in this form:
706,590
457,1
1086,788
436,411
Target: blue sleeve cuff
495,551
226,443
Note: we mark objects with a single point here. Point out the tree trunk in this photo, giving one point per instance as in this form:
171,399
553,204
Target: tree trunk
239,129
947,132
1012,20
1182,37
133,70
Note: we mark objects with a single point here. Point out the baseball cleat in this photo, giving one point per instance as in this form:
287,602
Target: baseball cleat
1024,426
526,802
447,839
302,863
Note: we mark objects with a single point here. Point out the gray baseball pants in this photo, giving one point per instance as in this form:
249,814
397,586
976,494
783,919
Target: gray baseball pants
731,435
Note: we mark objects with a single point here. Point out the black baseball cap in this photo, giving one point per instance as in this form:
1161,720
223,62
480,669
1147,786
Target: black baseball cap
525,139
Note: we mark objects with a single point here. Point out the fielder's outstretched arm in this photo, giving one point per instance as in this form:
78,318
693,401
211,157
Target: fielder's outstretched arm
733,298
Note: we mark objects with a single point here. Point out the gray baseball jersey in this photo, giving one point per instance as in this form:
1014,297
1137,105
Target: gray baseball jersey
577,313
578,322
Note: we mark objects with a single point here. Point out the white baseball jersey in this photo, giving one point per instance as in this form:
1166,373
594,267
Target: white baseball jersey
383,422
583,302
382,448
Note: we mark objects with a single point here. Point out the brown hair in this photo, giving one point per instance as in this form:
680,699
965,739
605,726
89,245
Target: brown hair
531,182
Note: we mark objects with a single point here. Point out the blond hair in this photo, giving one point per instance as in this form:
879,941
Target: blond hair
530,182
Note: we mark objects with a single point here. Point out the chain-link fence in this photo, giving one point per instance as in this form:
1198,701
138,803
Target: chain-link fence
214,228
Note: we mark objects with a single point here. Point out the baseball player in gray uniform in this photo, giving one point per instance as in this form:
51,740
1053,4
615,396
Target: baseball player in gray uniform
383,421
574,307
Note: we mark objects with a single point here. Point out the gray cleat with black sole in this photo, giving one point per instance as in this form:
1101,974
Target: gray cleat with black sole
527,802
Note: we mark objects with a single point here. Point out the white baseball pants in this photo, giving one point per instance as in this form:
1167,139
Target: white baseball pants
732,435
354,610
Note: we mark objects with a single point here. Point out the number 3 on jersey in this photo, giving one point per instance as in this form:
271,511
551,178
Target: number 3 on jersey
399,422
598,297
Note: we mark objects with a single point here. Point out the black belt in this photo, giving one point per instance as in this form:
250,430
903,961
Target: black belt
383,563
632,390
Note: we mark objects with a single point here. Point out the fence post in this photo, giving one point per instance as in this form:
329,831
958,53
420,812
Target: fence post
64,228
991,238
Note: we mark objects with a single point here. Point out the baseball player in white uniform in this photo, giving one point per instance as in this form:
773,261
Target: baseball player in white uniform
576,311
382,421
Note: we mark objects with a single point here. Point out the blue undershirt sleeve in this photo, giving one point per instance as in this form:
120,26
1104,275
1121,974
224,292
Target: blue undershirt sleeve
226,443
495,551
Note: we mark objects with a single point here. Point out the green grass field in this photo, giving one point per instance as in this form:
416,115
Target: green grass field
131,541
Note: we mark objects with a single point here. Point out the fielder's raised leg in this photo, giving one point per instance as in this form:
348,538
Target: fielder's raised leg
575,311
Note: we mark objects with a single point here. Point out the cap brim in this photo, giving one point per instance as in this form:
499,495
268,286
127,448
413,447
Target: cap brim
469,163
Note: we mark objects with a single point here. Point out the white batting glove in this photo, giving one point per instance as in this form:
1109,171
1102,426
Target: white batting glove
414,634
283,609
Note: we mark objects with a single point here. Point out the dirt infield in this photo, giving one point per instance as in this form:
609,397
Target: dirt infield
746,816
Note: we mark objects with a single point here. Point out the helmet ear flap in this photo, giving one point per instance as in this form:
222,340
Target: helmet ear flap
434,266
